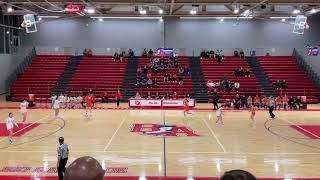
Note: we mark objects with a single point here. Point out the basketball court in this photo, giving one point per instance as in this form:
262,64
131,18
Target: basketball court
128,142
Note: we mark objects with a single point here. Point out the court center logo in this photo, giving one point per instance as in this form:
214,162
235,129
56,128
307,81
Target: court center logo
162,130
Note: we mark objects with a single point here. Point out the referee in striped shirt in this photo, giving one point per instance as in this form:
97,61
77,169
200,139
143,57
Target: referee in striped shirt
63,153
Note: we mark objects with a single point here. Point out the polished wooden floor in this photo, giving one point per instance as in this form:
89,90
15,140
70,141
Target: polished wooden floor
272,149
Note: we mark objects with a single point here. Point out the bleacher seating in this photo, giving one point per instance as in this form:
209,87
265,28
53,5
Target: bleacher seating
284,68
214,71
168,87
40,77
99,73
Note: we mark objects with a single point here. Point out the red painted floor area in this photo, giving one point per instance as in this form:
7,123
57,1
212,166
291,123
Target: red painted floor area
136,178
18,131
311,131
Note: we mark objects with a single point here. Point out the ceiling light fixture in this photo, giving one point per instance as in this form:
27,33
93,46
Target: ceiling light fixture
160,11
296,11
221,20
313,11
193,12
91,11
236,11
283,20
161,19
100,19
143,11
10,9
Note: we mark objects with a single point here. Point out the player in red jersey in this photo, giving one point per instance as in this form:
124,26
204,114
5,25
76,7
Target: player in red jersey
89,99
278,102
264,102
257,101
253,116
186,106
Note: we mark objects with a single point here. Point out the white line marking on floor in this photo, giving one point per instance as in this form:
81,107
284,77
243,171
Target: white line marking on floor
212,132
115,133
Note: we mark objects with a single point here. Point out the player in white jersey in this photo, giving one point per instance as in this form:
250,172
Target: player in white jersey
23,110
219,116
79,101
53,98
9,124
61,98
56,107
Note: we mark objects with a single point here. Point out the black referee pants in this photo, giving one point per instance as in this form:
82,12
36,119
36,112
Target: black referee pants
215,105
271,108
118,102
62,168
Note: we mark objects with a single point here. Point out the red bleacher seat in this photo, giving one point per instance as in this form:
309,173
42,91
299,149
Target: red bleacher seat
99,73
284,68
214,71
40,77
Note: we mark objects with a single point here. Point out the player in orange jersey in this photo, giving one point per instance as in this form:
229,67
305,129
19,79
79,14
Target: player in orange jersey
186,106
253,116
89,99
256,101
278,102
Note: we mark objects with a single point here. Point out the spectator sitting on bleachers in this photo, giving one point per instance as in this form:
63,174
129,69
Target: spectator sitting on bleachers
90,53
138,84
150,53
181,71
144,53
186,71
236,53
149,83
219,56
137,95
85,52
279,84
211,54
283,84
236,86
237,101
175,95
156,96
180,82
241,54
116,56
148,96
155,82
166,77
131,53
121,56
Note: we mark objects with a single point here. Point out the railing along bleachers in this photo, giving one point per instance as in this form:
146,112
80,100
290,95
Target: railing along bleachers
284,68
40,77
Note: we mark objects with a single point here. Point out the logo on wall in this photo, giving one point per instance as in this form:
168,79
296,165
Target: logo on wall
137,103
162,130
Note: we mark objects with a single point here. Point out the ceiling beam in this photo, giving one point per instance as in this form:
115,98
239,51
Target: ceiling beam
171,7
177,9
230,7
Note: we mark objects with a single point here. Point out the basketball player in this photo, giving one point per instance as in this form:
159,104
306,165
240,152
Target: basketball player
253,116
219,116
56,107
264,102
249,101
285,101
10,123
278,102
23,110
186,106
89,103
53,98
257,101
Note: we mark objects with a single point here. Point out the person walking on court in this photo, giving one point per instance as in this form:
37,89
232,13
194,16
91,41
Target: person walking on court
216,98
9,124
63,153
118,97
271,107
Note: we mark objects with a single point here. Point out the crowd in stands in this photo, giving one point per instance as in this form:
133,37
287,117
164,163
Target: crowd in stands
240,54
224,85
159,65
120,56
242,72
87,52
279,84
218,55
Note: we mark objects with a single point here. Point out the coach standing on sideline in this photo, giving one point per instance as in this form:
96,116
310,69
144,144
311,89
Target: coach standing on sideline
63,153
271,107
118,97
